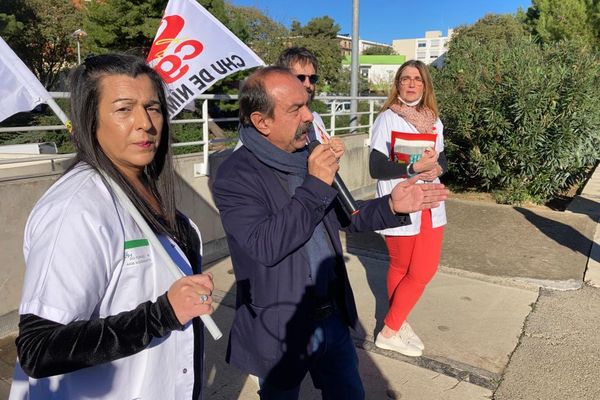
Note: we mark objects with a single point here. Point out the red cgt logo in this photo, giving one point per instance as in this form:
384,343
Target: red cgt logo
172,67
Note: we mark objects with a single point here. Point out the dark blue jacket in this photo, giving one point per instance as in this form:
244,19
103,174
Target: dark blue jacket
266,229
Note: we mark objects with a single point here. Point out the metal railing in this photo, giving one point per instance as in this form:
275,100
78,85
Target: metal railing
334,101
337,109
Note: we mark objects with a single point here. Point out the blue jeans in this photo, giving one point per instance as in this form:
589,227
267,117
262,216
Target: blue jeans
333,365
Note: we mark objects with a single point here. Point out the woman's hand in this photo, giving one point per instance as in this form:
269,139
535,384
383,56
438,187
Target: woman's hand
430,175
191,297
427,162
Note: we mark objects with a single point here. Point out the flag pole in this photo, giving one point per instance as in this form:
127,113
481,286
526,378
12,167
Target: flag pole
58,111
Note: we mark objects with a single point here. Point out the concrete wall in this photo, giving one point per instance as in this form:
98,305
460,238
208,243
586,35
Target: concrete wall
29,168
354,166
18,195
406,47
196,201
17,198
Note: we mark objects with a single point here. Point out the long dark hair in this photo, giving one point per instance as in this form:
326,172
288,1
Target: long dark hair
84,83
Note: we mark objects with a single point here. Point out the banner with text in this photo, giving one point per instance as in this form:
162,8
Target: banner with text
193,50
19,88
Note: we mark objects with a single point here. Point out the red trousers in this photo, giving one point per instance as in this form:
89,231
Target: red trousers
413,262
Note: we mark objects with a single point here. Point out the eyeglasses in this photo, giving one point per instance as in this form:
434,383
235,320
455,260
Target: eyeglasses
405,81
311,78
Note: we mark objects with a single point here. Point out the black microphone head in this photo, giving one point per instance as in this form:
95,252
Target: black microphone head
312,145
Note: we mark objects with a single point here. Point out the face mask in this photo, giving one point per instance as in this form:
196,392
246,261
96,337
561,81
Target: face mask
412,103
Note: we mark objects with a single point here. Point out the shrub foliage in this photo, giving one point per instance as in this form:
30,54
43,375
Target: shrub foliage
522,120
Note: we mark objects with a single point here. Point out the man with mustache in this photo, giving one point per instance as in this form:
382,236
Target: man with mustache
294,303
304,65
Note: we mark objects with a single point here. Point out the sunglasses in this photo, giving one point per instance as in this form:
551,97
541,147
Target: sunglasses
311,78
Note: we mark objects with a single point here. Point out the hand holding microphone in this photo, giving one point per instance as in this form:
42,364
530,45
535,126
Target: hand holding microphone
323,164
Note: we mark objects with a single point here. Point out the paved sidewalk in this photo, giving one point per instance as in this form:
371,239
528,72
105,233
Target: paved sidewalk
471,319
558,356
385,374
508,315
8,355
472,315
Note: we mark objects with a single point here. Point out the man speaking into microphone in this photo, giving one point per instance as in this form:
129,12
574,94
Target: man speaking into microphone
294,304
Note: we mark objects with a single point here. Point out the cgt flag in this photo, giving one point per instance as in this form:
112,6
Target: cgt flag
193,50
19,88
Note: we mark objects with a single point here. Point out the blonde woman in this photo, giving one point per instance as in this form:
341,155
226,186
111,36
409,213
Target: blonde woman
408,141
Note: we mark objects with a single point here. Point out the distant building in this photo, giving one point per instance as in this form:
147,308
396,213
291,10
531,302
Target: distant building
379,70
430,49
345,43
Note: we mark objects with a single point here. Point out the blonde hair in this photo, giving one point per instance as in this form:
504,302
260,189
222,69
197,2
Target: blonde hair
428,100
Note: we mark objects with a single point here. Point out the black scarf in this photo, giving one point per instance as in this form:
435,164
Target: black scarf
290,163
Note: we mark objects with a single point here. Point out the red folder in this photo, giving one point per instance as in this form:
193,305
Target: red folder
408,147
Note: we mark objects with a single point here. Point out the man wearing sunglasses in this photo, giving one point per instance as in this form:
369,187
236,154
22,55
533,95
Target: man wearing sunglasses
304,65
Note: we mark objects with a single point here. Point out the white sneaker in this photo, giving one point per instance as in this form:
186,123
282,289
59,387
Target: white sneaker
408,335
395,343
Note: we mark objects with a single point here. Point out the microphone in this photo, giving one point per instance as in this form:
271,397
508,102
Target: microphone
343,195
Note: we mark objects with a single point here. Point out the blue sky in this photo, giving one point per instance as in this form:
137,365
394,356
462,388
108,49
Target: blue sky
386,20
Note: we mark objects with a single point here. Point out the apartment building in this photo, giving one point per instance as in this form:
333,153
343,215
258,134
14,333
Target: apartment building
346,45
378,70
429,49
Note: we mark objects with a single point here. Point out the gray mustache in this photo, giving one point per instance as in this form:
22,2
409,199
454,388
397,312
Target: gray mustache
301,129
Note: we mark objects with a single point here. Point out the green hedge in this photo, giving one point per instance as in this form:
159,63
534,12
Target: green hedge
522,121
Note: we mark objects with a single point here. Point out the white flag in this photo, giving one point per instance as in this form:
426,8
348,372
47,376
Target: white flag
193,50
19,88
